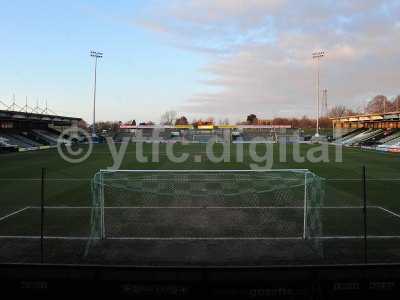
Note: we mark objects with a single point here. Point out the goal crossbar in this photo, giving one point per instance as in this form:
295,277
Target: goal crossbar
112,187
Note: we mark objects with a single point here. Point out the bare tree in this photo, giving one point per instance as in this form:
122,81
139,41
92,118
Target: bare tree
168,118
396,103
379,104
339,111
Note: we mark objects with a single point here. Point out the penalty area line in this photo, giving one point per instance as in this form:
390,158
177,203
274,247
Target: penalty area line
343,237
14,213
388,211
349,237
208,207
203,238
33,237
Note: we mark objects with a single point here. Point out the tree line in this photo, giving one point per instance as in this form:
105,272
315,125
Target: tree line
378,104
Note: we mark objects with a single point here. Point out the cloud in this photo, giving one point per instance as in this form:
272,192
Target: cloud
260,51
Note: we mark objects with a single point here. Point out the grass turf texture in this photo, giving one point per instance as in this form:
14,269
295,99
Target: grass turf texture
68,185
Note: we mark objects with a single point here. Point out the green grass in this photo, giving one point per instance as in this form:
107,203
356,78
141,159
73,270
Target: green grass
27,165
69,185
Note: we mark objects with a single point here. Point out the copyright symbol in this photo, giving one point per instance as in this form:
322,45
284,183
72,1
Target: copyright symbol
68,146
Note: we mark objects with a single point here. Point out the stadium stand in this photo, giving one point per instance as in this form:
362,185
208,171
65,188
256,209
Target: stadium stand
393,142
4,142
370,137
49,137
373,139
378,131
359,137
21,131
391,136
350,135
23,137
12,139
237,133
364,136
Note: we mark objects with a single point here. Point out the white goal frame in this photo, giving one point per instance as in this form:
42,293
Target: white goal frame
108,171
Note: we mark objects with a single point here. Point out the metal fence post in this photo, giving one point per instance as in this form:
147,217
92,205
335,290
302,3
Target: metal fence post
42,191
365,214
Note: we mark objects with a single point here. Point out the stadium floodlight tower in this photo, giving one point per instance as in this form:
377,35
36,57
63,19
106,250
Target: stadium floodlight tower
318,55
96,56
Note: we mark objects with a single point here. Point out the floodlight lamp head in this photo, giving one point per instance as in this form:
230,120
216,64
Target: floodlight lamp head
96,54
318,54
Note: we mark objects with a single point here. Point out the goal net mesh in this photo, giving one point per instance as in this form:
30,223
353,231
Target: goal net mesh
280,204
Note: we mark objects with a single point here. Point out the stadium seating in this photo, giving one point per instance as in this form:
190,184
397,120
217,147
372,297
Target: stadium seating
393,142
50,137
4,142
25,140
11,140
379,139
350,135
35,138
394,135
359,138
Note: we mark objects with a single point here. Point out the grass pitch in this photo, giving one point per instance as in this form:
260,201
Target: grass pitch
67,201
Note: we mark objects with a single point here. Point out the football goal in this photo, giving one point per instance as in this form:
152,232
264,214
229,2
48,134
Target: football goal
206,204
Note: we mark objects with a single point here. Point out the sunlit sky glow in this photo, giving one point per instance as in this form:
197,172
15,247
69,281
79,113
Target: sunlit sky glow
219,58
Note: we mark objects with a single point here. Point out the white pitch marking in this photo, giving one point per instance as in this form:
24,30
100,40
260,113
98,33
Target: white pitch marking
197,207
356,237
14,213
206,171
45,237
200,238
388,211
171,207
62,207
204,238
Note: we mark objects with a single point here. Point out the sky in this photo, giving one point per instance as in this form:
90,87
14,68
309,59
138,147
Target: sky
201,58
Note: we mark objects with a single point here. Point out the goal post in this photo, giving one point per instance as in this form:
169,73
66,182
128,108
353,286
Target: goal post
206,204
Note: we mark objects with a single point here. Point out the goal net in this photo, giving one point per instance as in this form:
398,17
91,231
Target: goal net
204,205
